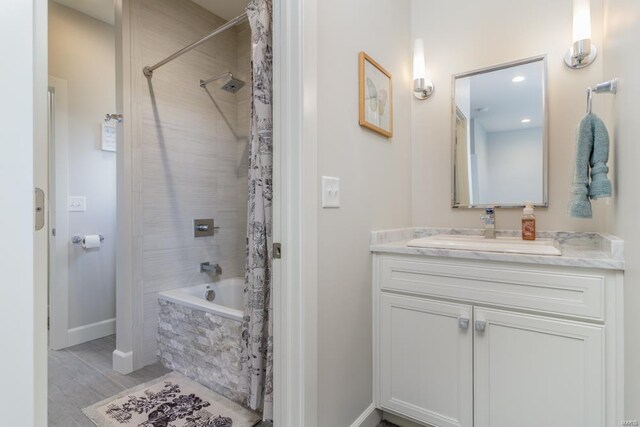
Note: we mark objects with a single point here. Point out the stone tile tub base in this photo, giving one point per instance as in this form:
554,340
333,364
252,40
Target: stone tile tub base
202,346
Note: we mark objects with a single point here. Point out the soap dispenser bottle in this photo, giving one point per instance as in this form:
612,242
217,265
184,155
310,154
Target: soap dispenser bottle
528,223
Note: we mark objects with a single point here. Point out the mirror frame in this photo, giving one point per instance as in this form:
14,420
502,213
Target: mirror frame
545,132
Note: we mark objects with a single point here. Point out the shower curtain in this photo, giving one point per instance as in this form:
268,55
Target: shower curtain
257,338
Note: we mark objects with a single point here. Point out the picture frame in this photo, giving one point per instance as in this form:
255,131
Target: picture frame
376,96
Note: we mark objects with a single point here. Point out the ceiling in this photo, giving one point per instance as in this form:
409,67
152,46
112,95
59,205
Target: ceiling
226,9
104,10
500,104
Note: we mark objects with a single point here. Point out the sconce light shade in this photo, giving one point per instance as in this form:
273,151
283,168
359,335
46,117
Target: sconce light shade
422,87
419,67
582,52
581,20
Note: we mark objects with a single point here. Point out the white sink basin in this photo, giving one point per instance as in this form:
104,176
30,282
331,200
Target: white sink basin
513,245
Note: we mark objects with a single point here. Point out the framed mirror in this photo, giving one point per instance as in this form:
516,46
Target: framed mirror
500,135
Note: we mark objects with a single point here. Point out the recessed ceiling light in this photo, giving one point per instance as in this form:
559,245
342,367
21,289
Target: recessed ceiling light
518,79
525,120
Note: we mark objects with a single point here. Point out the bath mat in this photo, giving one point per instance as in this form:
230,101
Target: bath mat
170,401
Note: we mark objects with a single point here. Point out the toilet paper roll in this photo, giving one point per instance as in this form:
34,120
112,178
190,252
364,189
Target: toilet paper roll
91,241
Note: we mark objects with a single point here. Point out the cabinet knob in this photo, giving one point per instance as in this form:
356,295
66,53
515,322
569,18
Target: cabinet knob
480,325
463,323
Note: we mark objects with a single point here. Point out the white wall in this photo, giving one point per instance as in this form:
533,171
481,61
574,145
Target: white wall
622,35
375,191
82,52
514,167
461,36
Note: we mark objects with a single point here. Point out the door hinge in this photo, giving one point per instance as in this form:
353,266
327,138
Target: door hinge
277,251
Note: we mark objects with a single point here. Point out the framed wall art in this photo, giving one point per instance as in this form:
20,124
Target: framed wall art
376,97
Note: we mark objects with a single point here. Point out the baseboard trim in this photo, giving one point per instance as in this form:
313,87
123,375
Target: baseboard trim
371,417
123,362
91,332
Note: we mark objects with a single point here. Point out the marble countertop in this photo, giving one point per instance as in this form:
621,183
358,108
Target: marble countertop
579,249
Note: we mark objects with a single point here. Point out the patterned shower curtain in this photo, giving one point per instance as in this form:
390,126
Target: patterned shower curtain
257,337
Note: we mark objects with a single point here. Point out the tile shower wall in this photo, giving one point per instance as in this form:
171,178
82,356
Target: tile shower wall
243,99
187,162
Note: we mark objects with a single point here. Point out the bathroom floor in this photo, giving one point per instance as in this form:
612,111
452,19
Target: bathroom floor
81,375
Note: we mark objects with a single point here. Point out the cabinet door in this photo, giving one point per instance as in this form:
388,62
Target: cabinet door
426,359
532,371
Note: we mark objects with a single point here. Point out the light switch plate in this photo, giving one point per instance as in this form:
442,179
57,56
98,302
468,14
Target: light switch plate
77,204
330,192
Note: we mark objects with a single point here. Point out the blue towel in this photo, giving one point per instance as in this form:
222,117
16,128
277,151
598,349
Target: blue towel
600,185
592,152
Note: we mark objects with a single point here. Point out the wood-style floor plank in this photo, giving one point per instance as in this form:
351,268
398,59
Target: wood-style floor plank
80,376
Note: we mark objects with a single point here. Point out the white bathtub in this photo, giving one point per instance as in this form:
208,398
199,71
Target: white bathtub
228,302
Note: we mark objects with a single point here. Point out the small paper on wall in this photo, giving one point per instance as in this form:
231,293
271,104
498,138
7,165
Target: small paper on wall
109,136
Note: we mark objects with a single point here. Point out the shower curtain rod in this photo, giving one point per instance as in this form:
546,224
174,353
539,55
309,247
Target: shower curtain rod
148,70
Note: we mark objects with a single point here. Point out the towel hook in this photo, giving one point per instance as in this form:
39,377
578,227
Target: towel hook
610,86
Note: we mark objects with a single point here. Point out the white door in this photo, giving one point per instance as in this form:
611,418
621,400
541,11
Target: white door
533,371
426,352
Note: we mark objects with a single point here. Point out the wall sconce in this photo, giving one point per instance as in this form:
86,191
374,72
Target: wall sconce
582,53
422,87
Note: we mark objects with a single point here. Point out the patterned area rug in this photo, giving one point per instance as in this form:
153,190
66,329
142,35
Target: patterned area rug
170,401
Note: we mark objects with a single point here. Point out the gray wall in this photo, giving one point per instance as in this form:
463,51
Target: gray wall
375,186
186,156
82,52
622,35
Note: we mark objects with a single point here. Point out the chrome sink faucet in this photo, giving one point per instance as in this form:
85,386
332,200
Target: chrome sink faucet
207,267
489,219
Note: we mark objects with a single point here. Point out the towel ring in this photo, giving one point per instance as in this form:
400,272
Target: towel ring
589,99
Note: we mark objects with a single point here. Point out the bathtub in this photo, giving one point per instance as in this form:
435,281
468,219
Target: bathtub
228,300
202,339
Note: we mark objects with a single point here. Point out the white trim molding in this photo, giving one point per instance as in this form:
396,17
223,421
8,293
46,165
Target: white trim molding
41,237
123,362
371,417
59,216
126,298
91,332
295,213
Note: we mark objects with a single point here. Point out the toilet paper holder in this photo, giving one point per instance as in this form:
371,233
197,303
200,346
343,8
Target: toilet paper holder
78,239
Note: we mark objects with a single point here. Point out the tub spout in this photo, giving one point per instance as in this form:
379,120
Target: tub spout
207,267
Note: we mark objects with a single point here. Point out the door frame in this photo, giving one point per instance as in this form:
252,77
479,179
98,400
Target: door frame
295,216
58,215
295,213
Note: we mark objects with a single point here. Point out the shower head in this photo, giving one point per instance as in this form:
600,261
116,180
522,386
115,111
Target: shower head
232,84
229,83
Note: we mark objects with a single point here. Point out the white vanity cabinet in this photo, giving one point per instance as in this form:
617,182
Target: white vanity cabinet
460,342
426,359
